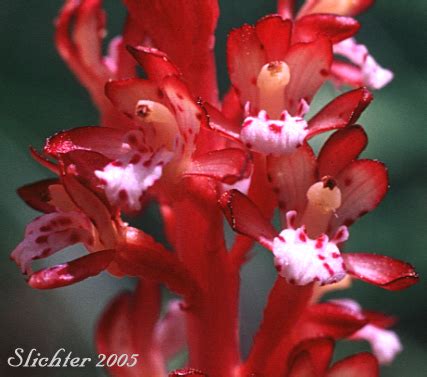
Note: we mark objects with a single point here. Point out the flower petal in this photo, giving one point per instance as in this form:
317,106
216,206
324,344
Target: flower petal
125,94
343,8
72,272
302,366
342,148
227,165
362,364
380,270
309,65
104,140
220,123
340,112
291,176
187,372
50,233
335,28
246,218
37,195
274,34
245,58
363,185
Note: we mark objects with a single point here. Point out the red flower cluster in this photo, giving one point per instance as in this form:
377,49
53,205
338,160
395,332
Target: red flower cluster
169,138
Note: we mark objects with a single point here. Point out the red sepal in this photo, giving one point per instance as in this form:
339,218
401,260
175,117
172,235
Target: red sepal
275,35
226,165
380,270
335,28
217,121
246,218
245,58
342,148
363,185
362,364
125,94
302,366
330,320
72,272
156,64
104,140
340,112
37,195
42,160
309,64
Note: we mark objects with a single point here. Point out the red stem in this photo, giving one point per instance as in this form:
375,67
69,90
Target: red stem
285,304
212,320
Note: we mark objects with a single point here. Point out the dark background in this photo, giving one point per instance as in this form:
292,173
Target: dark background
38,96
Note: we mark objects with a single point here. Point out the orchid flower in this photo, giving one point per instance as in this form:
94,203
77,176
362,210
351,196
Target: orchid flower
167,137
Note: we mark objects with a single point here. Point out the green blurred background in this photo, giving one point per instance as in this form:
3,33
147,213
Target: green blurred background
39,97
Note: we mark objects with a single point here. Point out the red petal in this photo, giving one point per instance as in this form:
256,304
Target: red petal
142,256
227,165
125,94
218,122
302,366
246,218
340,150
245,58
187,372
309,65
380,319
104,140
156,63
362,364
42,160
189,115
275,35
72,272
343,73
231,106
291,175
93,207
192,23
380,270
340,112
319,351
336,28
37,195
363,185
331,320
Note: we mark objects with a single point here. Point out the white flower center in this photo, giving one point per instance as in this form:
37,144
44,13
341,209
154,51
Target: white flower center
273,136
302,260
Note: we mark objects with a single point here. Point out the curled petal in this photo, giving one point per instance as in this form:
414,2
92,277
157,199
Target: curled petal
72,272
246,218
343,8
37,195
368,71
362,364
340,112
156,64
342,148
227,165
380,270
50,233
336,28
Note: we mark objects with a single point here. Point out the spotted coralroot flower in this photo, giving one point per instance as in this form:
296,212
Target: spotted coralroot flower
167,137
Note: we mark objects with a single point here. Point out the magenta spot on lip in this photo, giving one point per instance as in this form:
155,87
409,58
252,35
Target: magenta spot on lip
275,128
135,159
281,238
247,123
179,95
328,268
41,239
63,221
123,195
335,255
45,228
302,236
117,163
321,257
